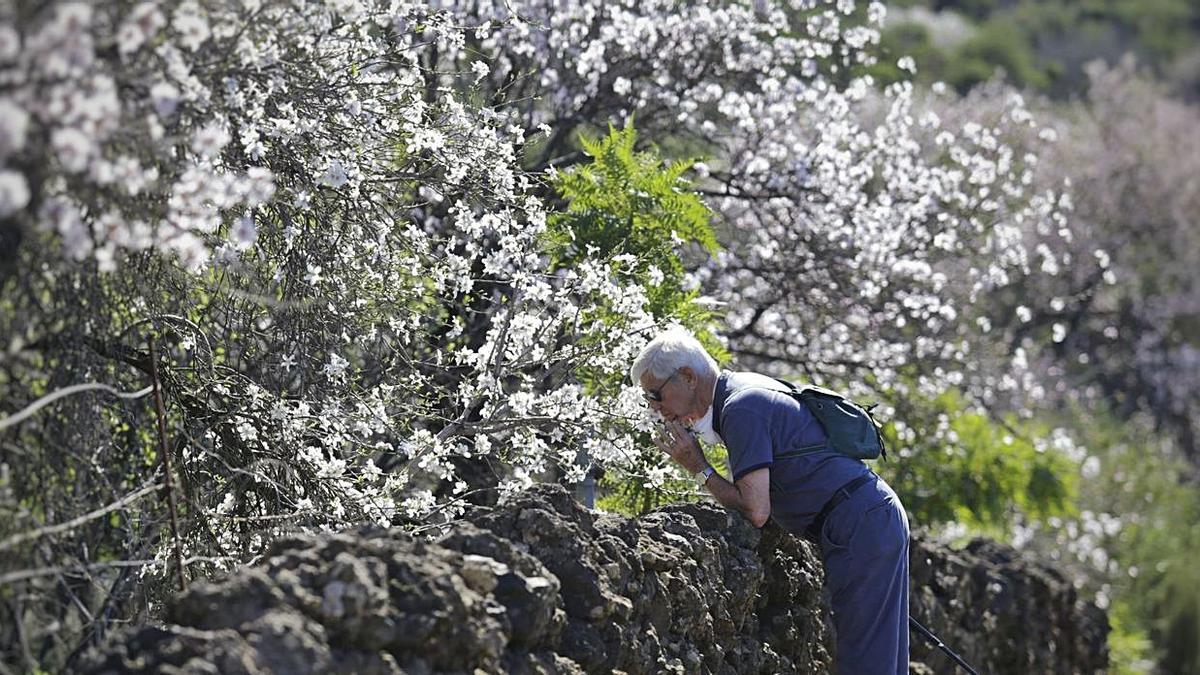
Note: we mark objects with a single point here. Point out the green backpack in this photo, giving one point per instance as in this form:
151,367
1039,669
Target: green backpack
850,428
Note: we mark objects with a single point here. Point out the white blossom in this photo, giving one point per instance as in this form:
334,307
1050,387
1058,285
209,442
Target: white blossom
243,232
165,97
14,125
192,28
143,22
14,192
73,148
334,175
210,139
313,274
480,69
430,256
10,44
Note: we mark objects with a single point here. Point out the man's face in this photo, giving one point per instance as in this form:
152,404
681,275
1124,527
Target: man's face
672,397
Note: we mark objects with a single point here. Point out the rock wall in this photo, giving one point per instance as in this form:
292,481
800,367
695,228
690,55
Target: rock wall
545,586
1001,612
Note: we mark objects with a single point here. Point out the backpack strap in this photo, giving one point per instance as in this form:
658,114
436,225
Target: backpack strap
794,392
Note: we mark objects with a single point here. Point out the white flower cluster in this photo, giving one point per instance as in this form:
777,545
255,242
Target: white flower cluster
862,226
109,147
387,248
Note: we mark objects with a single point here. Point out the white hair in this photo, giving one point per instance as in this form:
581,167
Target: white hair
673,349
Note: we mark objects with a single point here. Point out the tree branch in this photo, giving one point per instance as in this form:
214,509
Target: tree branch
76,522
67,391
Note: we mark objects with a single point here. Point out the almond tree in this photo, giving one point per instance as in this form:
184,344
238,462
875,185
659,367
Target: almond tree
331,221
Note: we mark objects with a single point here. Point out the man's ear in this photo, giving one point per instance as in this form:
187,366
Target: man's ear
689,375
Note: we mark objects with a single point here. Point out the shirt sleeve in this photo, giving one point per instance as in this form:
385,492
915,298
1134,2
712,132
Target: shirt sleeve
748,440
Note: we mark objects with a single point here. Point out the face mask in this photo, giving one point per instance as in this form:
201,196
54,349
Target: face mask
707,435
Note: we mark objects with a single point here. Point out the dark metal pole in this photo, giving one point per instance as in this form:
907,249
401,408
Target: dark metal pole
165,455
937,642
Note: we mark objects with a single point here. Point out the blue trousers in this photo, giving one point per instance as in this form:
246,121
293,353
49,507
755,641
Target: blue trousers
864,543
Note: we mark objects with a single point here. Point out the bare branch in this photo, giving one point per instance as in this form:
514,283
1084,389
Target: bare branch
76,522
64,392
25,575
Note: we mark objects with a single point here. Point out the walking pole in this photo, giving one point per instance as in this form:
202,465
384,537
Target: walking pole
937,642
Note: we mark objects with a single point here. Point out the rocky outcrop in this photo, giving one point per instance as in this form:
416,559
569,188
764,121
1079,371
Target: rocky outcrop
545,586
1001,612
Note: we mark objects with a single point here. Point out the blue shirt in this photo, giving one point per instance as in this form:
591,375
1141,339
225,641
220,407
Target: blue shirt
759,422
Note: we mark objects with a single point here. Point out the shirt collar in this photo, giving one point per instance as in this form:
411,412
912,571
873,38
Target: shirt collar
720,393
704,426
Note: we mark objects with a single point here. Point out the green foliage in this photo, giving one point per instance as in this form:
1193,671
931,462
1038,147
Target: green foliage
1162,28
632,496
999,44
974,471
1045,44
638,212
1129,647
1151,572
629,202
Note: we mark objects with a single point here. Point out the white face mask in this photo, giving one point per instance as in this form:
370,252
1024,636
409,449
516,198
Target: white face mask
703,429
708,436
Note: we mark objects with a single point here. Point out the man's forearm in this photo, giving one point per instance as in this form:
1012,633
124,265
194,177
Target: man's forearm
728,494
749,495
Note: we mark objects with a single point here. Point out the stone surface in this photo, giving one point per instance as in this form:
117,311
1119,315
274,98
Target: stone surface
543,585
1002,612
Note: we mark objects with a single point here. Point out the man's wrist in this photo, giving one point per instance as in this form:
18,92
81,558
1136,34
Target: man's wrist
704,474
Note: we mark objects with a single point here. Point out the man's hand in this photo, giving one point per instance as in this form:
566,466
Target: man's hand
750,495
682,446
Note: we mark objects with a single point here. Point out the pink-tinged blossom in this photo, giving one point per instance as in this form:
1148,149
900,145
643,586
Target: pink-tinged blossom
64,45
130,175
14,192
243,233
14,125
63,216
258,185
210,139
165,97
105,256
135,235
142,24
10,44
192,251
192,28
73,148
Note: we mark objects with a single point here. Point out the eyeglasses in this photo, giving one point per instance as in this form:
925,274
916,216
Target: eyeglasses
655,395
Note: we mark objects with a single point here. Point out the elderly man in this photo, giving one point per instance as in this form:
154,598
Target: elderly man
781,470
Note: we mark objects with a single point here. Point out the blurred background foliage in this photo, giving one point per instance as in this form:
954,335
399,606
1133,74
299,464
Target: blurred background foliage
1042,44
1122,78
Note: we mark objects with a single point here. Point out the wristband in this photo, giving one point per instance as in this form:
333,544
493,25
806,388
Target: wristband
703,476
